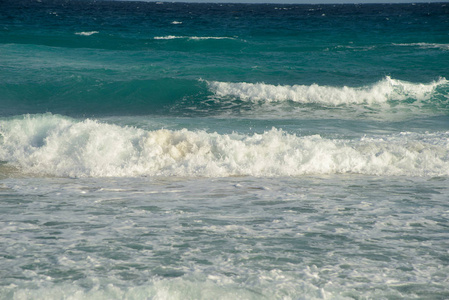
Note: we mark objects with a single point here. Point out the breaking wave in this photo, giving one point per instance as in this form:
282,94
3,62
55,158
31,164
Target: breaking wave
50,144
385,90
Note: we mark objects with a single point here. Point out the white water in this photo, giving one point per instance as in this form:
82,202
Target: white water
53,145
310,237
385,90
426,45
86,33
173,37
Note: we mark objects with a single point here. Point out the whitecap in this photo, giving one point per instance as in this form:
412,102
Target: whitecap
380,92
211,38
86,33
168,37
425,45
172,37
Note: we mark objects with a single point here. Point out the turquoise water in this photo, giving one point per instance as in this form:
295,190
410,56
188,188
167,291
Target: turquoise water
223,151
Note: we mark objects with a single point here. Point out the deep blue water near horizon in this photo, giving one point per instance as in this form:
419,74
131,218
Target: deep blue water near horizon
223,151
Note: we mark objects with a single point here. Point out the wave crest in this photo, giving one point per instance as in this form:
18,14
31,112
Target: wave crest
381,92
49,144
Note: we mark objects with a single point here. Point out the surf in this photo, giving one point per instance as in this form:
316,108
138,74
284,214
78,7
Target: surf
59,146
387,89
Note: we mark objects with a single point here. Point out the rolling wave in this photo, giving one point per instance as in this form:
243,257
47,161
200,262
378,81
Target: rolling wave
92,96
54,145
88,96
383,91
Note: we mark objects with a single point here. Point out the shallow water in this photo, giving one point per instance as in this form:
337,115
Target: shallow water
296,237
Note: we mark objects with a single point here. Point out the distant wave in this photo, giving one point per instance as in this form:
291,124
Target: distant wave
383,91
86,33
50,144
173,37
425,45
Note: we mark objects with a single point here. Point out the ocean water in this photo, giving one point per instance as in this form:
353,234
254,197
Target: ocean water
223,151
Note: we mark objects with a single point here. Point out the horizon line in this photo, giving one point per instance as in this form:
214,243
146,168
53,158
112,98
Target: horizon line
281,2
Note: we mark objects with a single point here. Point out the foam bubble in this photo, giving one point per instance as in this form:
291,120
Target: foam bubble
59,146
381,92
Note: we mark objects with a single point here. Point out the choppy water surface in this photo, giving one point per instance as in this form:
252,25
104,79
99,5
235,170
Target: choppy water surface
310,237
223,151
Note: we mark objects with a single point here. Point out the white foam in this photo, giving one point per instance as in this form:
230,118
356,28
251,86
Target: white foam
173,37
176,22
86,33
211,38
47,144
381,92
425,45
168,37
273,284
